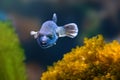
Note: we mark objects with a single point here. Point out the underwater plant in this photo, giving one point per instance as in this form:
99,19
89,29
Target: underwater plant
12,66
95,60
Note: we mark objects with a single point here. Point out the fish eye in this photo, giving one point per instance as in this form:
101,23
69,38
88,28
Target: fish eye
50,36
40,35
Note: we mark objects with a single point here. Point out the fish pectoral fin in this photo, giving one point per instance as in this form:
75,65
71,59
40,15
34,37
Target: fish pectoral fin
71,30
34,33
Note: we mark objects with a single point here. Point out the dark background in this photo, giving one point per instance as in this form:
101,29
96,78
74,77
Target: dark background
92,17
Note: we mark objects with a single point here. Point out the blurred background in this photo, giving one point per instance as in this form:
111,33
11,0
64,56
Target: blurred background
92,17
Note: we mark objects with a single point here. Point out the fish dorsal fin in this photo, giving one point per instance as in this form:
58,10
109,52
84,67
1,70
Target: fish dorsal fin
54,18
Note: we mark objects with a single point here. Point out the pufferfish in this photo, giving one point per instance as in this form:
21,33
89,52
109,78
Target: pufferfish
50,32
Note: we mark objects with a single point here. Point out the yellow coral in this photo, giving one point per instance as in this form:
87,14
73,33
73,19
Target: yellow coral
95,60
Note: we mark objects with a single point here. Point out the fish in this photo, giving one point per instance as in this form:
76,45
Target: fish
50,32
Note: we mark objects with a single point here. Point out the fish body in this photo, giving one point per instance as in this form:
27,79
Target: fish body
50,32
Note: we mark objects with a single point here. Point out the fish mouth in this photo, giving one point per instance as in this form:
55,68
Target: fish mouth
45,46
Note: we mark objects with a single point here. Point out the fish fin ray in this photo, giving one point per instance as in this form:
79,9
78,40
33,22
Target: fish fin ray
71,30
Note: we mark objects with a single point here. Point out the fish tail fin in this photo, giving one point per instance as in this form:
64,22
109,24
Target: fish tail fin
71,30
